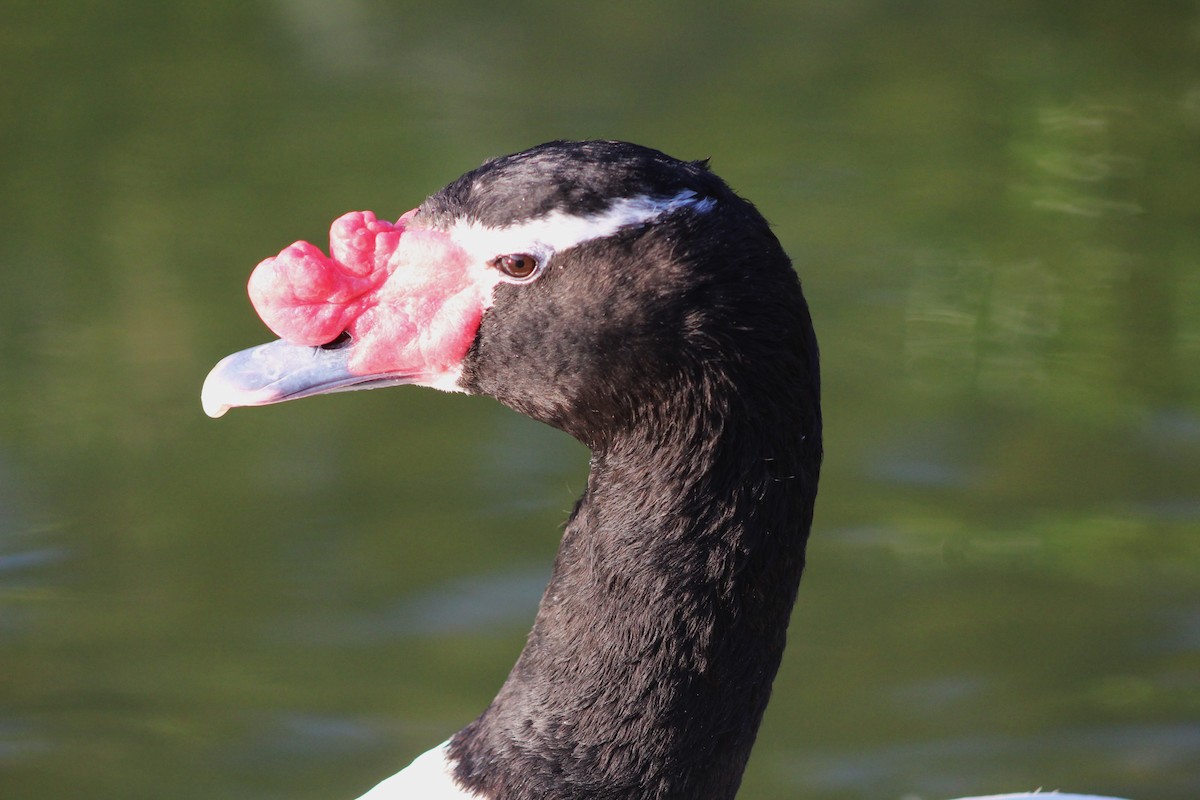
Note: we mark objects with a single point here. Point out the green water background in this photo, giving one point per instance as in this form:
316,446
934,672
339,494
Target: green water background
995,209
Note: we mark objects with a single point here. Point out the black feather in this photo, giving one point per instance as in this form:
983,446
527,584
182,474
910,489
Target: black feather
682,353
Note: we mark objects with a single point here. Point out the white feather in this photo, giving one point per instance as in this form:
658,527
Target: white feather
429,777
545,236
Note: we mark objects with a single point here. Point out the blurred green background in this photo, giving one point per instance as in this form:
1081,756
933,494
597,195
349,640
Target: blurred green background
995,209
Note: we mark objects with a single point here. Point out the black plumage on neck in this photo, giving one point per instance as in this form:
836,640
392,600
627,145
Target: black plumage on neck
695,382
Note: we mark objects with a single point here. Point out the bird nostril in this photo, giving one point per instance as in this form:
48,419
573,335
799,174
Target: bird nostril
344,338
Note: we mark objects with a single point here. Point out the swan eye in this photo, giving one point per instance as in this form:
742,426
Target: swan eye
521,266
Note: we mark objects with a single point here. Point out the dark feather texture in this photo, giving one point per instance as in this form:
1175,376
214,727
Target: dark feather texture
682,353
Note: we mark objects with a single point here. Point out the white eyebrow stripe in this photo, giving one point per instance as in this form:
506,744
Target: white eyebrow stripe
558,231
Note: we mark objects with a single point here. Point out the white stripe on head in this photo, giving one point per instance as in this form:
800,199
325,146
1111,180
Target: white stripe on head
546,236
550,234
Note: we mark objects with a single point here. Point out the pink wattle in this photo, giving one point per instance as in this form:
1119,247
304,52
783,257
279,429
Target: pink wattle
405,295
308,298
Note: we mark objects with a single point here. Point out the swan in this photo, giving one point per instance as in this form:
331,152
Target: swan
637,303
